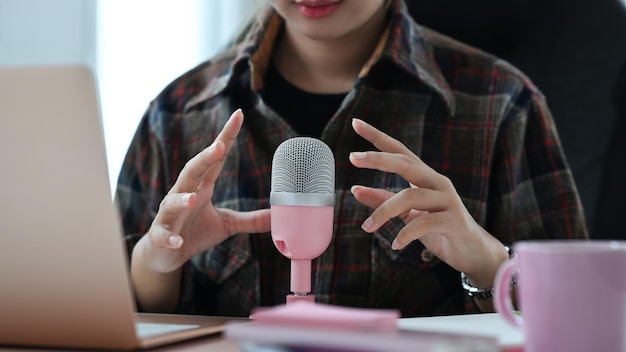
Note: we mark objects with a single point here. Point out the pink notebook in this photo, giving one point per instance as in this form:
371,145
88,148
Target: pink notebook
310,327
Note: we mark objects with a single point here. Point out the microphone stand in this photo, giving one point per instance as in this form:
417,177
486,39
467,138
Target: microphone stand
300,282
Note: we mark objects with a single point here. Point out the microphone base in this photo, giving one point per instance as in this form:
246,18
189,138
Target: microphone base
291,298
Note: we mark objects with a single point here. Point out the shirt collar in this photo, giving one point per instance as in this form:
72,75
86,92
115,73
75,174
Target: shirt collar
403,43
408,47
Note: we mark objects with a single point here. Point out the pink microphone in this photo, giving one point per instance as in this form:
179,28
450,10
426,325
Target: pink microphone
302,203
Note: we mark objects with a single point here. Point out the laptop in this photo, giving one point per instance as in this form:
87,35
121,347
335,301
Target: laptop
64,279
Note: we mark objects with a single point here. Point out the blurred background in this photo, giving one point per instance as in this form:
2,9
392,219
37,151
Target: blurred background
136,47
573,50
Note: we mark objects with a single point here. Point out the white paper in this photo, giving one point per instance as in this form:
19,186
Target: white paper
487,324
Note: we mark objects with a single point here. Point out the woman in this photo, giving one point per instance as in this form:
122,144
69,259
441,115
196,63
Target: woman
444,155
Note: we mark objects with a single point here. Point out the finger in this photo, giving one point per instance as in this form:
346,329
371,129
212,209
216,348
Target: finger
171,207
414,170
387,144
207,164
421,199
373,198
430,228
370,197
379,139
192,173
236,222
160,237
227,136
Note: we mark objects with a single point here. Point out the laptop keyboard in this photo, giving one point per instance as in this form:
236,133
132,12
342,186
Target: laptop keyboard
153,329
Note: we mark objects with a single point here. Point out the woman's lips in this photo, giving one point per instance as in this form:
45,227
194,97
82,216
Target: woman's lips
317,9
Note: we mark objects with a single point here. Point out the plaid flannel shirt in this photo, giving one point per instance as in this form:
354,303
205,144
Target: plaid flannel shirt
469,115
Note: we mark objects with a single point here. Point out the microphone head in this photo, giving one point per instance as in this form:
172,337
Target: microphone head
303,165
302,200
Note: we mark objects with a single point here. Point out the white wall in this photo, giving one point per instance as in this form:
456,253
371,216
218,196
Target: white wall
144,44
135,47
47,32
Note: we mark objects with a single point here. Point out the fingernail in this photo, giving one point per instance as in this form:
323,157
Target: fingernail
185,198
367,224
358,121
175,241
395,245
358,155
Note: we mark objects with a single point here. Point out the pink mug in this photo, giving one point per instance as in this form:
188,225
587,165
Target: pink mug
571,295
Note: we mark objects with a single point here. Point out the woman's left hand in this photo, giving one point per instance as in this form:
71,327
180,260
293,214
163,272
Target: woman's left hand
431,209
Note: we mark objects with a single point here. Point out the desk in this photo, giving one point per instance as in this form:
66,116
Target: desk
510,338
205,344
215,343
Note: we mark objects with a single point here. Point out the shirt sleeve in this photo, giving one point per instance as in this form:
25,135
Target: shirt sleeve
139,191
142,184
532,191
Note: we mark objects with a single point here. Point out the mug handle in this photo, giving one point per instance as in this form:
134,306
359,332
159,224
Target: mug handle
502,293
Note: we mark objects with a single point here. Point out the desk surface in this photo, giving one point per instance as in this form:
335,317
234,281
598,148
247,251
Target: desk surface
205,344
510,339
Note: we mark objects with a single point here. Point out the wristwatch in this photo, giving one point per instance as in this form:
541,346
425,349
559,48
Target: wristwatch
484,293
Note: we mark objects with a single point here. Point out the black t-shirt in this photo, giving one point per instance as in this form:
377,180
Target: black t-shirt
308,113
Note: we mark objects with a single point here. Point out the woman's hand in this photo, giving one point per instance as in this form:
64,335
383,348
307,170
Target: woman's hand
431,209
187,223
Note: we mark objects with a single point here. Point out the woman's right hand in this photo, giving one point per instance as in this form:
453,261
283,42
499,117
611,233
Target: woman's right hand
187,223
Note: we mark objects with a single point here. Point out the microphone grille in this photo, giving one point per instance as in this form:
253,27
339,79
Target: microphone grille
303,165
